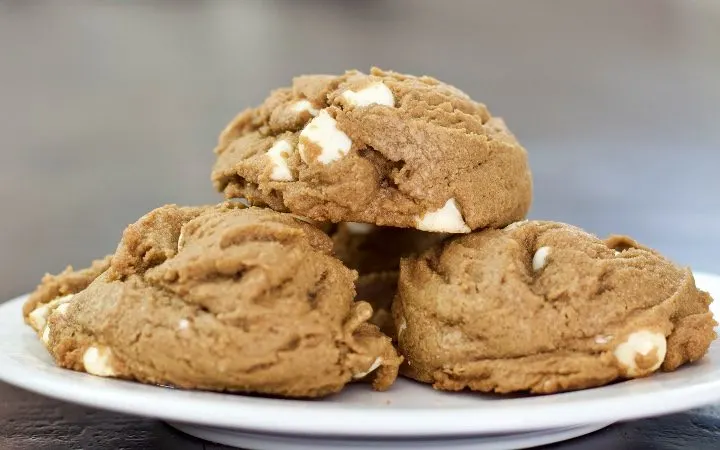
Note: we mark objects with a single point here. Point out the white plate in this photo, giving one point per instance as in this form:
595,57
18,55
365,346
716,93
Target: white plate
408,410
482,442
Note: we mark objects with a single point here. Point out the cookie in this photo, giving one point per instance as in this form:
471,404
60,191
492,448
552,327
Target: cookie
384,149
545,307
55,290
375,252
228,299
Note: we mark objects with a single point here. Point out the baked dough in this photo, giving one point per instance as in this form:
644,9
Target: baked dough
546,307
375,252
384,148
223,298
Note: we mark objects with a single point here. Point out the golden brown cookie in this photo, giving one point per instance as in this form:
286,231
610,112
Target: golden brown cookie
55,290
546,307
224,298
375,252
385,148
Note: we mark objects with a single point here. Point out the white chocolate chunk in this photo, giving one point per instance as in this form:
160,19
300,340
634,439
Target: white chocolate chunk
600,339
279,154
305,105
540,258
323,132
376,93
359,228
62,300
38,317
378,361
46,335
181,239
62,309
641,343
183,324
57,306
446,219
98,361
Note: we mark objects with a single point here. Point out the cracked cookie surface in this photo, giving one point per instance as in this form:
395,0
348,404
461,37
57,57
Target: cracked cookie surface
384,148
545,307
223,298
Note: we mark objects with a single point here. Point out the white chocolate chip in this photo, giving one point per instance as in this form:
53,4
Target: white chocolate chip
641,343
540,258
323,132
359,228
57,306
600,339
447,219
181,239
98,361
376,93
38,317
279,154
617,252
46,335
61,300
183,324
62,309
378,361
305,105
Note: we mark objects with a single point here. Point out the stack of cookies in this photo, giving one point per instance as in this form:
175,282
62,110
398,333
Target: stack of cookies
374,225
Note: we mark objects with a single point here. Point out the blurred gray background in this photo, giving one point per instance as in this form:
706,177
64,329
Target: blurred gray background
111,108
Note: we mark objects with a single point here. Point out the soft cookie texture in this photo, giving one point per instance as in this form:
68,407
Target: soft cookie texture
224,298
375,252
55,290
384,148
546,307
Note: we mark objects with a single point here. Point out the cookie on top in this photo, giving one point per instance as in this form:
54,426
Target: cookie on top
380,148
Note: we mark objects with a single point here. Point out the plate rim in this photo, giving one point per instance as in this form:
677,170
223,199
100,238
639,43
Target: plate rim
334,419
526,439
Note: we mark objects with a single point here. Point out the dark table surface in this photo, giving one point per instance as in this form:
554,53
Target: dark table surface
109,109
